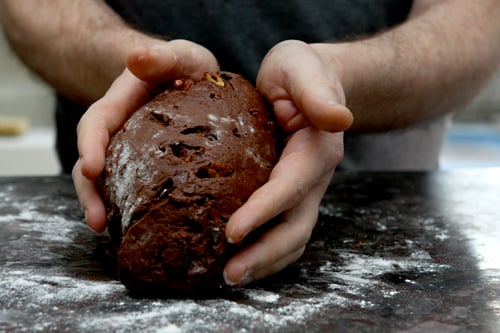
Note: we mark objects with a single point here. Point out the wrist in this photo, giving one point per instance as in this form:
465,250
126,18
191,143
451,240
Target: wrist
368,74
359,66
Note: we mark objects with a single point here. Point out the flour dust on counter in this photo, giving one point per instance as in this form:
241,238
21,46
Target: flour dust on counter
388,254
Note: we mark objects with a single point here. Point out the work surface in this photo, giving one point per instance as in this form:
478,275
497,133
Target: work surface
406,252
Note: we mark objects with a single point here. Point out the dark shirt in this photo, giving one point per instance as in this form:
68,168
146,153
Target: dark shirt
239,34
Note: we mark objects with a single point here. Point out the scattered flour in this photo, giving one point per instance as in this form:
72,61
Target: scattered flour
49,297
52,290
59,299
266,310
123,178
171,328
262,296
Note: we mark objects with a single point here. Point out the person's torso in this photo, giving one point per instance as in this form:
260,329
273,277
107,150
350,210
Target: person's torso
240,33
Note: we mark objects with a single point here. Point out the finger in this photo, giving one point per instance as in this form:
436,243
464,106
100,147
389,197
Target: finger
290,118
308,107
308,85
323,112
243,276
171,60
277,266
104,118
318,96
90,199
308,156
280,246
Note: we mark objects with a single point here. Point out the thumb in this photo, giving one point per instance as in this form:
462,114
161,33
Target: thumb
166,61
318,96
303,89
320,107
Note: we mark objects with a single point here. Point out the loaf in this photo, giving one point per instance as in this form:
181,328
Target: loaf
174,174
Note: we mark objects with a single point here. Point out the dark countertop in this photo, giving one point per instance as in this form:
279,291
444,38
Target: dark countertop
392,252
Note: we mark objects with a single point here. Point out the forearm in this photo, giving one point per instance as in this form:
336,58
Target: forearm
77,46
430,65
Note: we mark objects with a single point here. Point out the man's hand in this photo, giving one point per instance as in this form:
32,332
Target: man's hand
309,104
146,69
303,90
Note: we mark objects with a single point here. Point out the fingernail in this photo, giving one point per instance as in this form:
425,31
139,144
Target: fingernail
246,279
156,47
234,237
230,239
140,58
161,50
90,228
87,224
155,50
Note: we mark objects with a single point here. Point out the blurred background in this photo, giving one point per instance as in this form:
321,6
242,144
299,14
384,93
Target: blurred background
27,135
27,125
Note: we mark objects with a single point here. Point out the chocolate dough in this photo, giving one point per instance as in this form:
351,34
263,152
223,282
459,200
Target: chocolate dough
174,174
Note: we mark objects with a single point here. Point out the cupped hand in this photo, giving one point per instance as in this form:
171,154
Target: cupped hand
309,103
303,89
147,67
